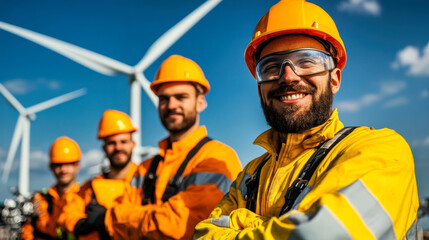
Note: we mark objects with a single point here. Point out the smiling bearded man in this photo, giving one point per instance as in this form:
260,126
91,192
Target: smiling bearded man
317,179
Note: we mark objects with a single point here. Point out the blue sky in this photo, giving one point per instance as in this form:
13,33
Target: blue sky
385,82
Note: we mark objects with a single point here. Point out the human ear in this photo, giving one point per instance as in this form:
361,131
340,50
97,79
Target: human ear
335,80
201,103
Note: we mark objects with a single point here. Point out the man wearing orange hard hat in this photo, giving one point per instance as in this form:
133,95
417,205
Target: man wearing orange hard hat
48,204
179,187
84,215
317,179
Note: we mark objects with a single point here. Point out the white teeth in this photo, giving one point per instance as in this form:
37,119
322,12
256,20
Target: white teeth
291,97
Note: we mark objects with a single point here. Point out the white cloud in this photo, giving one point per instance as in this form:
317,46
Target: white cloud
371,7
349,106
21,86
399,101
18,86
424,94
368,99
386,89
426,141
39,160
391,88
91,158
417,61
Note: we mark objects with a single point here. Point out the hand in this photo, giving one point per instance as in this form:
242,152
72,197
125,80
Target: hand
242,218
93,222
95,215
36,208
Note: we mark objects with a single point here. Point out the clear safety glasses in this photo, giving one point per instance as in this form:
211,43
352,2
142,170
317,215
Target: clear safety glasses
303,61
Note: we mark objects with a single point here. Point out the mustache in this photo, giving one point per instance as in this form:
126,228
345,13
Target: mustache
116,152
172,112
290,88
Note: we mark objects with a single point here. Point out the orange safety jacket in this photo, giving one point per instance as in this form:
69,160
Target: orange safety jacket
206,179
105,192
48,206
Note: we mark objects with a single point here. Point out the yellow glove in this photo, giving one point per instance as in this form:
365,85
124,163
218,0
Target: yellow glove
240,219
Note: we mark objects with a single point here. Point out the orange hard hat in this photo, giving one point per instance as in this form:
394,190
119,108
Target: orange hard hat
179,69
295,17
64,150
114,122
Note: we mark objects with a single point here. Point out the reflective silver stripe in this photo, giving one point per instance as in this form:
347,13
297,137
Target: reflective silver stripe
370,210
242,187
412,232
320,225
137,181
199,178
222,221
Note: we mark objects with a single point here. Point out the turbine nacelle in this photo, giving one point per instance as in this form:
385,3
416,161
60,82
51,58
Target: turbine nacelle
31,116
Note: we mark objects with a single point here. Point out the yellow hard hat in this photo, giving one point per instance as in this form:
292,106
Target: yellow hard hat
64,150
179,69
295,16
114,122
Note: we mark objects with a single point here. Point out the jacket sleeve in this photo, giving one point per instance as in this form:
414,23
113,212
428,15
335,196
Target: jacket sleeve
198,194
27,231
367,191
74,208
217,225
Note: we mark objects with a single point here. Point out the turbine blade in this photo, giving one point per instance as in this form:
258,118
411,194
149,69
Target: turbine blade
55,101
11,99
174,33
92,60
12,150
146,87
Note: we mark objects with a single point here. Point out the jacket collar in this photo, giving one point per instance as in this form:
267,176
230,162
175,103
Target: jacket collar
53,191
184,144
270,139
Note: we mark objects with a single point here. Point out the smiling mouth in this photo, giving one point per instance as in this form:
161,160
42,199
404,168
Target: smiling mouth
174,115
290,97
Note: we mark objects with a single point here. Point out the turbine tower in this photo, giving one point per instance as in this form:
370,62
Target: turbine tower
22,132
108,66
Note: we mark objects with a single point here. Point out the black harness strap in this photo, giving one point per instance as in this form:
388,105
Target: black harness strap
173,186
149,181
50,201
252,185
304,177
310,167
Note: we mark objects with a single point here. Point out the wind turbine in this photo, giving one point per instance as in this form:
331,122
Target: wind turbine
22,131
108,66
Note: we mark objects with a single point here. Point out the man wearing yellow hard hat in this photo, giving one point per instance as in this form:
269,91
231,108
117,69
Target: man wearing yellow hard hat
64,164
317,180
173,191
84,215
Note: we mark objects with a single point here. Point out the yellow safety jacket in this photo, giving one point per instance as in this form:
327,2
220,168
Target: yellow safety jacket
97,187
365,188
206,179
48,207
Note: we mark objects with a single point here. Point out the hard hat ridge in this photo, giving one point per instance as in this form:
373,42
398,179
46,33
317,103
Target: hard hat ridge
177,68
64,150
114,122
295,17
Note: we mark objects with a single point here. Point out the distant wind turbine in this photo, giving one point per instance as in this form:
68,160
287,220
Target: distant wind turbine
108,66
22,131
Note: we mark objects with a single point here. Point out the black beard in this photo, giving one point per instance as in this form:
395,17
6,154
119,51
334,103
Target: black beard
282,121
118,166
188,122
